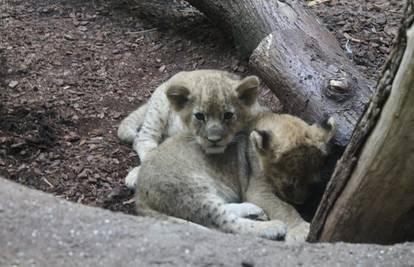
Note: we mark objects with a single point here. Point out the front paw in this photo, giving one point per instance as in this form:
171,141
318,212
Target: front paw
298,233
131,179
273,230
246,210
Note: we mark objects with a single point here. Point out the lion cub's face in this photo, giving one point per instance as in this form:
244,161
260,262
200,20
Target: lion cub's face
214,105
291,153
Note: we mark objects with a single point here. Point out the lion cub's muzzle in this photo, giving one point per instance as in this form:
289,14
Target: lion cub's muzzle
215,140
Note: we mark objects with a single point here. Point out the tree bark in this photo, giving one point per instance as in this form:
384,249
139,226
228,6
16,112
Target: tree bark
371,195
299,60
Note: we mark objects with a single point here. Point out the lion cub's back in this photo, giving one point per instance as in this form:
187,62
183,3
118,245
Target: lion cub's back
172,156
180,162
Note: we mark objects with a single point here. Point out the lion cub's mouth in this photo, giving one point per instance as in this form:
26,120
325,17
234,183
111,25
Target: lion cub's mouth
215,149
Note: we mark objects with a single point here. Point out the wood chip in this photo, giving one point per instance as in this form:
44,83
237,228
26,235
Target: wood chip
13,84
162,68
47,182
69,37
316,2
129,201
349,37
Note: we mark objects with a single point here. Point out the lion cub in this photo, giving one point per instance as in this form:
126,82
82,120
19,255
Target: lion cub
286,156
150,124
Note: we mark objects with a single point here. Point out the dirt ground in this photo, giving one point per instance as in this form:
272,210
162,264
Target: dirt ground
70,70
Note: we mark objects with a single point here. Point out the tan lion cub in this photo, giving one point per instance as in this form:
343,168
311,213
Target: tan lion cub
286,156
157,120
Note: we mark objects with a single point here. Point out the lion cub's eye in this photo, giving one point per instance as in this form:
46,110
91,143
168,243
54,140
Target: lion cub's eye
199,116
228,115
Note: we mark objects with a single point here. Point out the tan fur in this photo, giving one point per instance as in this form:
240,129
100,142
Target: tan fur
185,164
180,180
286,156
200,175
212,92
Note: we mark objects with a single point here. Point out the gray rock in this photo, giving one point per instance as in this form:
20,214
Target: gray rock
37,229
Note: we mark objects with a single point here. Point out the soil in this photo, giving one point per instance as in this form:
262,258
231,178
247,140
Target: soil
70,70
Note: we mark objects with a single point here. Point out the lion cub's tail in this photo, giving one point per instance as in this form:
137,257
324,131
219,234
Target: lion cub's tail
130,126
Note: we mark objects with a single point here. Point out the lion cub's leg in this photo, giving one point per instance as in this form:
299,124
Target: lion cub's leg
246,210
298,232
131,179
223,216
211,210
130,126
154,126
260,193
202,199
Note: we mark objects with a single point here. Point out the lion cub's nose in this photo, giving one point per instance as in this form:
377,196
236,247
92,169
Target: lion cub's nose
214,138
215,133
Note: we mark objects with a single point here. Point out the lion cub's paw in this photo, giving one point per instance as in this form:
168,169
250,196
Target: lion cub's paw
298,233
246,210
131,179
274,230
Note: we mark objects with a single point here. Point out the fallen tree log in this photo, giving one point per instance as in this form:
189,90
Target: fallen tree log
299,60
370,197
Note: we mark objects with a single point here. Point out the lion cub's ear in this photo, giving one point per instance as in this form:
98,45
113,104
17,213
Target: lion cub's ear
178,96
330,127
326,131
261,140
248,89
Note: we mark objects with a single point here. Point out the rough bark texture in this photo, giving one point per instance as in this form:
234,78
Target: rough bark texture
37,229
371,195
296,57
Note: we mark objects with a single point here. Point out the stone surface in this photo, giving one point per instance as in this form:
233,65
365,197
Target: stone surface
37,229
